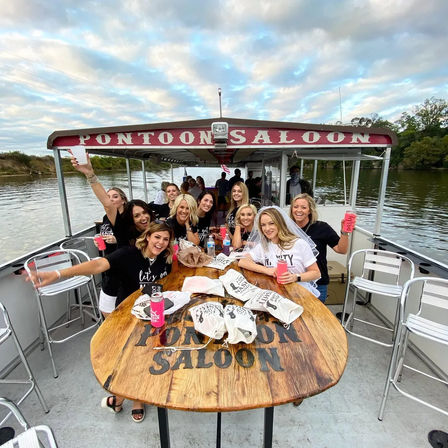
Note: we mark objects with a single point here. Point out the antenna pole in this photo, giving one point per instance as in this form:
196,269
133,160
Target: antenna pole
340,105
220,107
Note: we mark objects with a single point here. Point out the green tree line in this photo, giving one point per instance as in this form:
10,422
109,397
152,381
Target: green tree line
16,162
422,136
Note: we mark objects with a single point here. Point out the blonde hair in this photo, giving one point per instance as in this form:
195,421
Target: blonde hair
142,242
312,216
238,213
244,200
285,237
191,202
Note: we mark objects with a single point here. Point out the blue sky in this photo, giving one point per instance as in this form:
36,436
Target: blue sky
67,64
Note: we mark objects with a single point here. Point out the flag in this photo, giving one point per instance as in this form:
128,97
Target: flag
225,169
185,174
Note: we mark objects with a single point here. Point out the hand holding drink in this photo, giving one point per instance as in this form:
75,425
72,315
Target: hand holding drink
282,267
99,241
349,222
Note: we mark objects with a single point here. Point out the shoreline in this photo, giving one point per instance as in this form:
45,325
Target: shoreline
36,175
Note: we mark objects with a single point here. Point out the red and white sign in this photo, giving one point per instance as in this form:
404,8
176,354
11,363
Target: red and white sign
239,137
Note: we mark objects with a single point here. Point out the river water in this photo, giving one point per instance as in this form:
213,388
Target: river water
415,215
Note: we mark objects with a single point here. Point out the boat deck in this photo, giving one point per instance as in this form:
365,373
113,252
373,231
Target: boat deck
343,416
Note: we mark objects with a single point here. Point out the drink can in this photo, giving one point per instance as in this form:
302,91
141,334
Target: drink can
157,309
99,241
349,222
282,267
223,231
175,251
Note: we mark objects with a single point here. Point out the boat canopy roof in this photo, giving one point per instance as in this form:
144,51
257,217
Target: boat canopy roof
234,141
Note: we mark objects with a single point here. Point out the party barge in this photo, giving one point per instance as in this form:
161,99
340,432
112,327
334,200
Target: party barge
341,372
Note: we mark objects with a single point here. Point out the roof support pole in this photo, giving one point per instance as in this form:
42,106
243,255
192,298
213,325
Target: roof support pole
283,171
382,192
145,187
62,192
345,183
263,180
301,168
128,169
172,173
314,176
354,183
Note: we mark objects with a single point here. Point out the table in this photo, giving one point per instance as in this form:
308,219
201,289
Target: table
280,366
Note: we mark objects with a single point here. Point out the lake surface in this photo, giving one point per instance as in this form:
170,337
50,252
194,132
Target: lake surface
415,214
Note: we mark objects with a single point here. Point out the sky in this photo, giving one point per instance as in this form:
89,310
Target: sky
80,64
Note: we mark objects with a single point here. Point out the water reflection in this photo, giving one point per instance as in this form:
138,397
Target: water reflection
415,214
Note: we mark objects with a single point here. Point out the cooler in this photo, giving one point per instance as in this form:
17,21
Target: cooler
338,282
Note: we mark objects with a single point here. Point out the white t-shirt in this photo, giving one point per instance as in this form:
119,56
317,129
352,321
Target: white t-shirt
298,258
160,198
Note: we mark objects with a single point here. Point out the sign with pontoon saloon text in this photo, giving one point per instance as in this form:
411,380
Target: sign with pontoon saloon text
279,366
264,354
238,137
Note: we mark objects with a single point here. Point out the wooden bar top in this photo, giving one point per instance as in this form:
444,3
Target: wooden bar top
280,366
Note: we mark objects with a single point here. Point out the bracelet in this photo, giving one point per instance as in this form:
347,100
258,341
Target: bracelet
345,233
58,273
189,229
92,179
299,278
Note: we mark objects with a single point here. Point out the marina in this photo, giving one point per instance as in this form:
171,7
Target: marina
344,415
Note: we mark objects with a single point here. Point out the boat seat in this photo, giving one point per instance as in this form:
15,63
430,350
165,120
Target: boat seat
430,322
374,263
6,332
384,289
61,259
31,436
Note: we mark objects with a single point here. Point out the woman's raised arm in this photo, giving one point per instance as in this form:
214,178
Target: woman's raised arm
97,188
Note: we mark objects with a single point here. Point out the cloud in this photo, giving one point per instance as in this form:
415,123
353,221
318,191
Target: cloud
89,64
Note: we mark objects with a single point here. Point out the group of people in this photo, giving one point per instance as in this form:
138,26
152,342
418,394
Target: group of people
140,240
225,186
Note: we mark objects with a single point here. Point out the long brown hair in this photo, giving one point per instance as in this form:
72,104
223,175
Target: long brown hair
156,226
244,200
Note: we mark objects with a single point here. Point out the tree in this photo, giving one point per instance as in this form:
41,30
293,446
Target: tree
428,119
380,122
432,114
427,153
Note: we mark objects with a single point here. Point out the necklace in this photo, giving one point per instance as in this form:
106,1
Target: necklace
307,227
150,260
